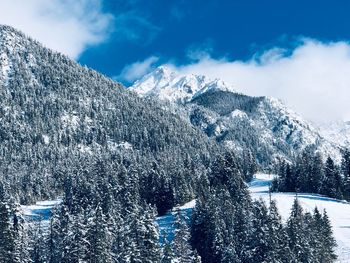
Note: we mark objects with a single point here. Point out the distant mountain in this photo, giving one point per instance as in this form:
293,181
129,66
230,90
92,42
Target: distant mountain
262,125
166,84
337,132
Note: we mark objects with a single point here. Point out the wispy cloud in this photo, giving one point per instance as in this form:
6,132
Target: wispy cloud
200,51
313,78
177,13
135,28
136,70
68,26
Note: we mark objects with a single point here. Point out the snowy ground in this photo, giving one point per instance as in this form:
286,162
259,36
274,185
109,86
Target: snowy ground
338,211
165,223
40,211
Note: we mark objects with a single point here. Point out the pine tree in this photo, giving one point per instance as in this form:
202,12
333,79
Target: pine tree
181,242
259,246
328,241
168,253
296,231
317,175
345,167
317,236
21,241
150,249
7,234
279,251
99,238
333,181
78,241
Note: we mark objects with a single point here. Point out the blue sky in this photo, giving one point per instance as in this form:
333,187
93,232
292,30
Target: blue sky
235,29
294,50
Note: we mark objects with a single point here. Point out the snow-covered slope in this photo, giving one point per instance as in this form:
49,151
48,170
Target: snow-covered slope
262,125
338,211
338,132
167,84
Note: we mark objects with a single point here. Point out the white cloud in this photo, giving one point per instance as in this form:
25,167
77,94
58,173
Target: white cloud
68,26
313,79
135,28
136,70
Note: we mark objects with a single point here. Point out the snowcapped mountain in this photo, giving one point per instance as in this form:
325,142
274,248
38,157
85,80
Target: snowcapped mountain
167,84
262,125
338,132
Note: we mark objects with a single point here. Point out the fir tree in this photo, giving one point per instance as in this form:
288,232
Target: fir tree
181,242
327,240
296,230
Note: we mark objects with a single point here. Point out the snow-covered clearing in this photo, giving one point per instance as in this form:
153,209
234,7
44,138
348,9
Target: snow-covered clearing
338,211
166,222
41,211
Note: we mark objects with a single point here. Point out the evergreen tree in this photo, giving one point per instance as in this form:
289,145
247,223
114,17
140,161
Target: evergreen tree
296,230
279,251
99,238
168,253
333,181
258,243
7,234
327,240
345,167
181,242
150,249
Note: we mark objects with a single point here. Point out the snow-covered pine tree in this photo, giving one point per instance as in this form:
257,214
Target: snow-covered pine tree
327,240
279,251
99,238
13,240
258,241
167,252
181,242
333,181
345,167
296,230
7,234
150,248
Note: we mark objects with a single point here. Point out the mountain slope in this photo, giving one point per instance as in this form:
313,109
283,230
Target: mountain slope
260,124
56,114
338,132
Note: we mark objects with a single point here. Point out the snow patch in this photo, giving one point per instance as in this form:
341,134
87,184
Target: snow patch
70,120
190,204
238,114
46,139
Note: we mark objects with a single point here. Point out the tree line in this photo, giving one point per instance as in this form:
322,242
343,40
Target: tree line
311,174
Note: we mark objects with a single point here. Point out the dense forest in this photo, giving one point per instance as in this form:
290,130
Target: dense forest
103,218
311,174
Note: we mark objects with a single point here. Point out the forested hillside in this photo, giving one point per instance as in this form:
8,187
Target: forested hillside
56,114
68,131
